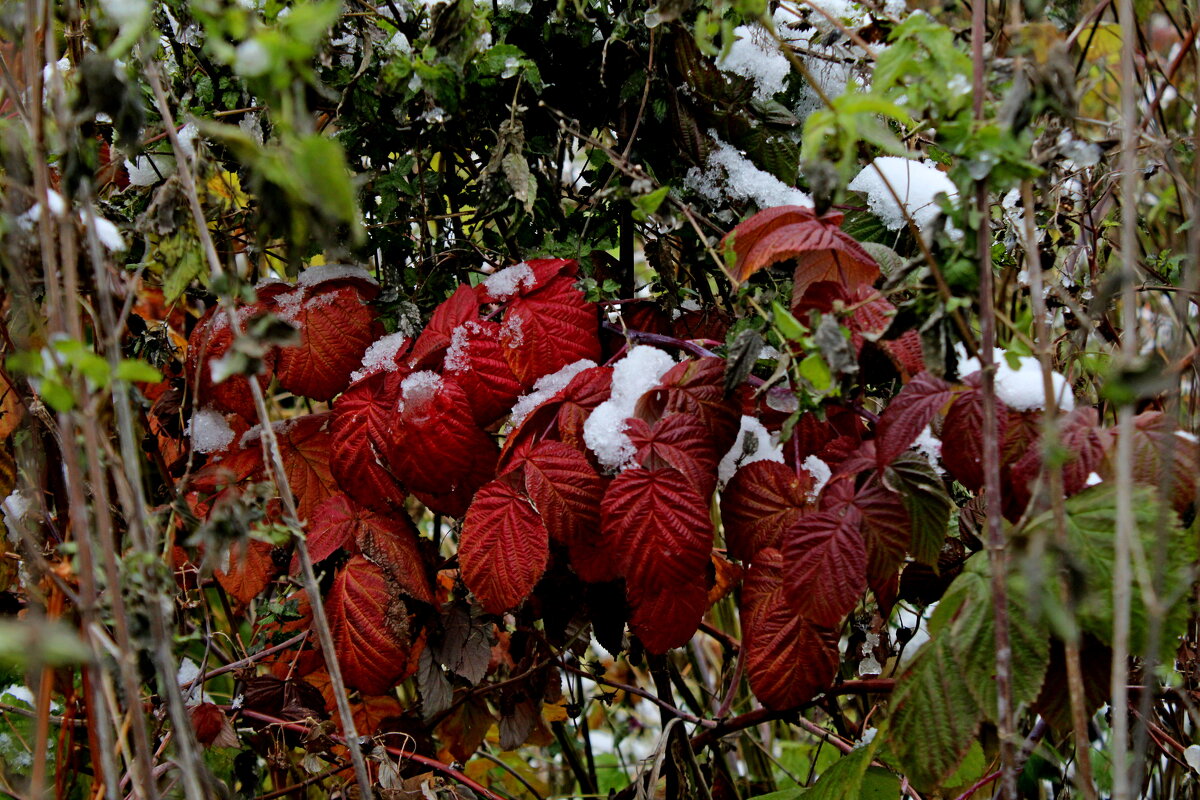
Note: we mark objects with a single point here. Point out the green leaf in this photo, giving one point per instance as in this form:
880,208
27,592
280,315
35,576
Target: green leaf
925,498
791,328
646,205
24,643
322,169
1091,519
814,370
135,370
846,777
56,395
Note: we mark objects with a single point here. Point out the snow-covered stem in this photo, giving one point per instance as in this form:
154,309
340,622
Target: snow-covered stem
271,454
1122,569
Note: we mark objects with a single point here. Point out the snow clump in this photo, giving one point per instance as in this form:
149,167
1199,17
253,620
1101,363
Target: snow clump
507,282
546,387
380,356
420,388
730,175
209,431
604,431
754,443
1021,389
332,272
929,446
755,56
915,183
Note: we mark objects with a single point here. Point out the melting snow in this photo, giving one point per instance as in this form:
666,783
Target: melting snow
546,387
458,357
731,175
929,446
380,356
209,431
915,183
821,474
604,430
507,282
754,443
512,326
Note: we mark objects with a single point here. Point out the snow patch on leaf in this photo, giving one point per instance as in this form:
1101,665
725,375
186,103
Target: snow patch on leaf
820,472
914,182
546,387
729,175
1021,389
419,388
381,356
209,431
507,282
333,272
458,357
634,375
754,443
755,55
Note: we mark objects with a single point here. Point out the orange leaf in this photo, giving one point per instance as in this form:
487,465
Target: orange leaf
824,251
366,621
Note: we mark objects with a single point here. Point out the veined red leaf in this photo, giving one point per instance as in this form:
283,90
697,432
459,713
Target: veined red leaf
761,501
437,447
503,548
332,528
548,329
1083,440
526,278
695,387
434,341
886,530
1164,456
304,444
660,532
565,489
667,618
248,572
336,327
906,353
962,434
680,441
789,660
588,389
363,423
393,542
476,360
367,622
826,565
907,415
824,251
210,341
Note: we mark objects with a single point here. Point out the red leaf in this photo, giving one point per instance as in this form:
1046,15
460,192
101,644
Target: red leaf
789,660
660,533
824,251
962,435
460,307
761,501
681,441
250,571
332,528
905,352
210,341
526,278
667,618
366,621
476,360
695,387
363,425
1083,441
907,415
826,565
548,329
336,327
886,530
565,489
393,542
583,394
304,444
503,548
437,447
1164,456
